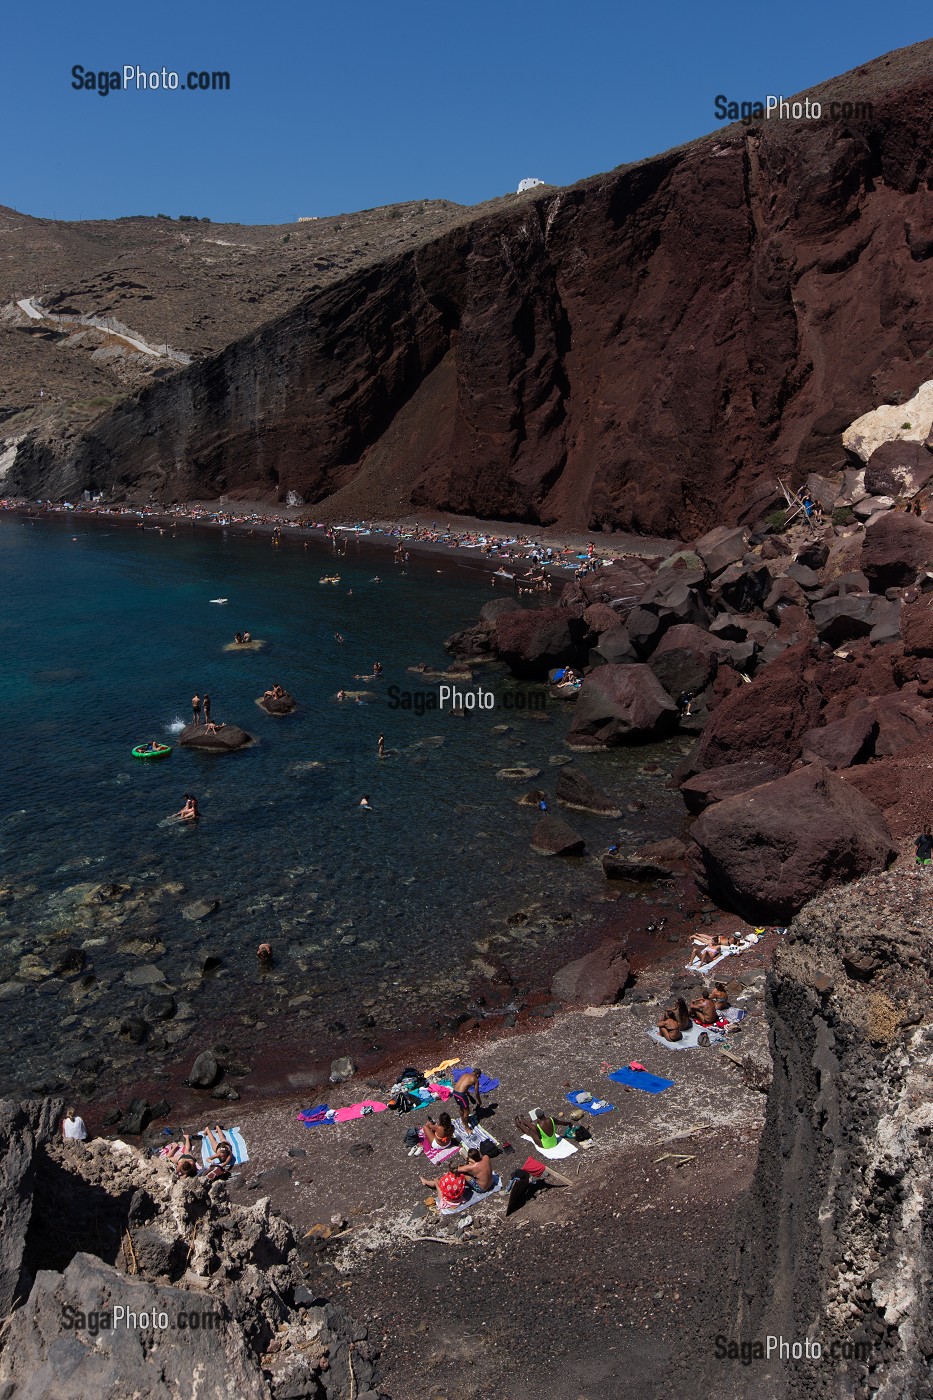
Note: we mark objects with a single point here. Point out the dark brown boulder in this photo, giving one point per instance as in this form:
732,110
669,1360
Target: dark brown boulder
687,659
898,469
284,705
531,641
763,722
844,742
599,618
841,619
917,626
597,979
614,649
576,791
768,851
622,704
722,546
903,721
895,549
226,740
635,868
553,837
743,586
718,783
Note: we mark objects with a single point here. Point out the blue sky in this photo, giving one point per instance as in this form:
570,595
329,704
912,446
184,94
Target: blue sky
342,106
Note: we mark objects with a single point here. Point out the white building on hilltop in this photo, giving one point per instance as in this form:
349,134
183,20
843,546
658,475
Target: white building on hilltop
528,184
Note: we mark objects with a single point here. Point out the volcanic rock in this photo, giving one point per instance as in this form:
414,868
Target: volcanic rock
205,1071
767,851
917,626
225,740
903,422
575,790
721,547
531,641
687,659
715,784
597,979
635,868
553,837
622,704
840,619
136,1117
844,742
898,469
615,648
342,1068
285,704
763,722
895,548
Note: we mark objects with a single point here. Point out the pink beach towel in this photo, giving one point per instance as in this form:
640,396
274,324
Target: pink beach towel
358,1110
437,1154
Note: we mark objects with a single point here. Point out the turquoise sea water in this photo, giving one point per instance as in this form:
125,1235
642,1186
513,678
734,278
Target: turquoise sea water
374,916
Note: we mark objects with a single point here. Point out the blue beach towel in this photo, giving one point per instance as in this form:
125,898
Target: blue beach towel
314,1117
486,1085
235,1139
641,1079
590,1105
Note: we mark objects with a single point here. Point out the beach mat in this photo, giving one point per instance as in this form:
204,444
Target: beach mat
358,1110
640,1079
314,1117
437,1154
590,1106
235,1139
689,1040
473,1137
563,1148
476,1198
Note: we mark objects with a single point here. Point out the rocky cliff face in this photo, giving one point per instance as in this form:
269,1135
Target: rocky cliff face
119,1279
646,349
835,1245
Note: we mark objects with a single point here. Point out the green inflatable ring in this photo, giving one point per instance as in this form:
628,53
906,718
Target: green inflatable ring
162,751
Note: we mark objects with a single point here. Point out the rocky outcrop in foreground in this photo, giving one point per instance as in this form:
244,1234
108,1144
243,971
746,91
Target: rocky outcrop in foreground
221,1305
835,1246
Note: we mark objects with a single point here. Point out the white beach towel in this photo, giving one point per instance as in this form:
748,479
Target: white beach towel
235,1139
563,1148
690,1039
473,1137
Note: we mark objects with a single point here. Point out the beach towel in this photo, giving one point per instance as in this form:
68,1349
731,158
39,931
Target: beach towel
319,1117
440,1091
358,1110
235,1139
439,1069
437,1154
473,1137
641,1079
473,1198
690,1038
732,951
734,1014
563,1148
591,1105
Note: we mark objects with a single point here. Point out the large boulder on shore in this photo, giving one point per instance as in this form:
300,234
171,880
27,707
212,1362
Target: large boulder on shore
225,740
716,784
576,791
843,742
895,549
531,641
687,659
763,722
622,704
898,469
719,548
768,851
841,619
597,979
917,626
553,837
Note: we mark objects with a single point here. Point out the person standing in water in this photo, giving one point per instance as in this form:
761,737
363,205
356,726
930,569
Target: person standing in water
381,746
196,708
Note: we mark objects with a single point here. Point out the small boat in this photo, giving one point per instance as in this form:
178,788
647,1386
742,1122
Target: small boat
157,751
334,578
220,600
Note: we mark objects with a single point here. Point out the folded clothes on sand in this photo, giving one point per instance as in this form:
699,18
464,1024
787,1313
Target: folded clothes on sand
472,1198
640,1079
580,1099
689,1039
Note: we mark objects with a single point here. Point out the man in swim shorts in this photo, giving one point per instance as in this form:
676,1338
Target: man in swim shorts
196,708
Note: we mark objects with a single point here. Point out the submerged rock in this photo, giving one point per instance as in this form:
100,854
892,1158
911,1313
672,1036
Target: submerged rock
553,837
576,791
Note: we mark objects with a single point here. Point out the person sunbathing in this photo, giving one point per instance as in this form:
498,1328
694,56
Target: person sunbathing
715,946
675,1021
181,1157
221,1158
720,998
703,1009
545,1129
439,1134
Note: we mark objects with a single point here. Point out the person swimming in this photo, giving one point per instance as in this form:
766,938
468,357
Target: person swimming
381,746
365,804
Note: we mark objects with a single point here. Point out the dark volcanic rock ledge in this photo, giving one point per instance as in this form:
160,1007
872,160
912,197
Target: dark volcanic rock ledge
836,1241
645,349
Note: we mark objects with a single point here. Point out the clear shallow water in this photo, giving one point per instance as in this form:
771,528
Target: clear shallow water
373,916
